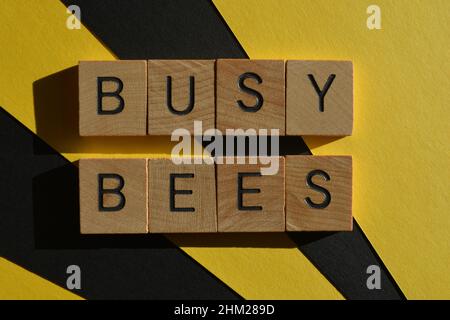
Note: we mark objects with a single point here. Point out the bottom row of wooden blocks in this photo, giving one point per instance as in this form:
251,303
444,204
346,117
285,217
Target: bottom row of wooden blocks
309,193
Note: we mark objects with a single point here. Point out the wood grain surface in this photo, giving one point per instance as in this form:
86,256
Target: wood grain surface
132,120
303,112
133,217
271,115
337,215
162,219
270,198
161,121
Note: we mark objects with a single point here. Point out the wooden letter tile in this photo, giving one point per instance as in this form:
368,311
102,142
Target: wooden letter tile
248,201
113,195
182,198
179,93
250,94
319,98
113,98
319,193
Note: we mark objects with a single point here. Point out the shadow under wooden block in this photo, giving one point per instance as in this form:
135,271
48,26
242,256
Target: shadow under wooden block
56,110
113,195
319,98
182,198
248,201
318,193
113,98
179,93
250,94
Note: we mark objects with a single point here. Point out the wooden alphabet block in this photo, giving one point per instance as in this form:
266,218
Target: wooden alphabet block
248,201
182,198
250,94
113,195
179,93
113,98
319,98
319,193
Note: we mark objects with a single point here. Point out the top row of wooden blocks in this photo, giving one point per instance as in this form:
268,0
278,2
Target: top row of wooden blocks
155,97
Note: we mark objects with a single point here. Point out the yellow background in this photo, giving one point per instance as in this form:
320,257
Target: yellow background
400,141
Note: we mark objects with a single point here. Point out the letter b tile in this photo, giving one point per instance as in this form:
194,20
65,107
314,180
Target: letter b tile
113,98
113,195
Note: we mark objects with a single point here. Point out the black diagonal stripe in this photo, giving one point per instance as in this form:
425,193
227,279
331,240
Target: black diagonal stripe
342,257
39,230
166,29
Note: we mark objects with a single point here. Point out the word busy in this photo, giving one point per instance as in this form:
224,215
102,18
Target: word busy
156,97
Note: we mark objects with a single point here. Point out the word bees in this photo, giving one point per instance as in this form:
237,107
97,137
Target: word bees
155,97
308,193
